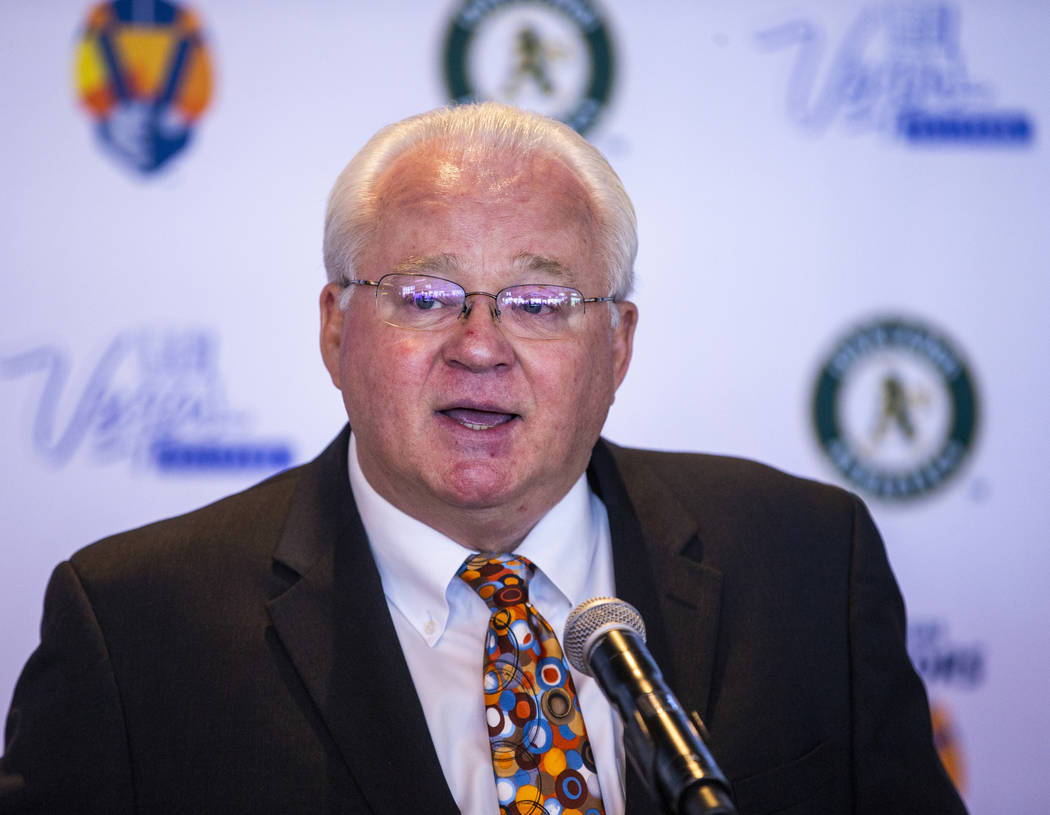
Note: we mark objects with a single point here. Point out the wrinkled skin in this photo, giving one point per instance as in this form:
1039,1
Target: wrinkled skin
476,433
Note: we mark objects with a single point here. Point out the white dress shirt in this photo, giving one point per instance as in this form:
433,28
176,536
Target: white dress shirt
441,624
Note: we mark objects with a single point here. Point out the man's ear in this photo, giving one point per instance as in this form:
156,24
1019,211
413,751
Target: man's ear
331,329
623,340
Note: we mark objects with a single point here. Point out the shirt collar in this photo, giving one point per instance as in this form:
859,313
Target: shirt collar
563,543
416,563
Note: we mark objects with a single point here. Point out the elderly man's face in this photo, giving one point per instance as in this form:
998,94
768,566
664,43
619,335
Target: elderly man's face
469,428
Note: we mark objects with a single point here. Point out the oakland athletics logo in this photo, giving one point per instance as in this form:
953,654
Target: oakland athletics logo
895,408
551,56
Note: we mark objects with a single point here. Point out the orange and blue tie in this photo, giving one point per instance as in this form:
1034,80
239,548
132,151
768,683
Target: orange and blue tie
541,756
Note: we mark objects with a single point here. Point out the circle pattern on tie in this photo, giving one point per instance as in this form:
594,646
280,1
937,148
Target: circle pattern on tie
541,756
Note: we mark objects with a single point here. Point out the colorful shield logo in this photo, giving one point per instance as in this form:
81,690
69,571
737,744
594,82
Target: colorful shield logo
143,72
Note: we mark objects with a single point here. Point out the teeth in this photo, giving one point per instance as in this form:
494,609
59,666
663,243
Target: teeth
477,420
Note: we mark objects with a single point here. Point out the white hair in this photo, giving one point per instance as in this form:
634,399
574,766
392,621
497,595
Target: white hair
498,130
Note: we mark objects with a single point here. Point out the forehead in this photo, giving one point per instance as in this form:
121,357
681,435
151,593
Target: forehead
485,210
481,172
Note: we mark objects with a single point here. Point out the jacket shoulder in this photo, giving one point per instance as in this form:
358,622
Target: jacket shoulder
217,537
735,499
717,476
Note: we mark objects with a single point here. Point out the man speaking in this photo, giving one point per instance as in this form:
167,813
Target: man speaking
378,630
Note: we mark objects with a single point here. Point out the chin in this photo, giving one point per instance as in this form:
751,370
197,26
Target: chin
478,485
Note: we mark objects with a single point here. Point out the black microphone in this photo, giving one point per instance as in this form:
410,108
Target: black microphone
605,638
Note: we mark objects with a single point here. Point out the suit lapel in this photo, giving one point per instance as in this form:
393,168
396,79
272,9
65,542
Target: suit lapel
657,558
334,623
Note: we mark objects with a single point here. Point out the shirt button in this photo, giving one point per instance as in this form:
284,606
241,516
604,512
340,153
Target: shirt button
429,628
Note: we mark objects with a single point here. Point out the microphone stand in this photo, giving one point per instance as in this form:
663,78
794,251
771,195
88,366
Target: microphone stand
665,745
706,799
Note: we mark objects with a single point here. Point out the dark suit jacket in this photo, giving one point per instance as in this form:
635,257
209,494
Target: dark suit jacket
242,659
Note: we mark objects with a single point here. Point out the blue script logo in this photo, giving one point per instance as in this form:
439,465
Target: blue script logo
941,661
154,398
900,70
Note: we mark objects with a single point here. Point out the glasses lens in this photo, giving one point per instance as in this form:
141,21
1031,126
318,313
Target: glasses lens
419,301
540,312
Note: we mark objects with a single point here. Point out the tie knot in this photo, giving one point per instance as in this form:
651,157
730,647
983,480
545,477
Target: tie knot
500,580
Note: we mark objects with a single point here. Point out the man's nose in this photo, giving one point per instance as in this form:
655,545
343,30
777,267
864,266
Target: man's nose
477,341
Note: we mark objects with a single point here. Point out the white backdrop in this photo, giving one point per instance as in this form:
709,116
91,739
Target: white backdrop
158,329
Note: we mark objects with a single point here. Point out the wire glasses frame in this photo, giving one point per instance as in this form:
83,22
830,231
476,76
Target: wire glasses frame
426,303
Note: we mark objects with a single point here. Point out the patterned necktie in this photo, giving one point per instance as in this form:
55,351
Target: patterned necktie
541,756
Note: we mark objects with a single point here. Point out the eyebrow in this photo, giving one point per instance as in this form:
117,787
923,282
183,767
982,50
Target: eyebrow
447,265
528,262
437,265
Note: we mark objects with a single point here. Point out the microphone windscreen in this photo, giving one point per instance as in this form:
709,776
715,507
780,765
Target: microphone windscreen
593,618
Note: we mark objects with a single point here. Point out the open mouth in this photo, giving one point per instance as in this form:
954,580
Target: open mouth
474,419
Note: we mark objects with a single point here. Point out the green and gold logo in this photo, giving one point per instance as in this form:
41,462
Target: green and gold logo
895,408
551,56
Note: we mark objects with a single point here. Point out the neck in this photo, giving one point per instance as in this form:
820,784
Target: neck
477,533
497,527
493,530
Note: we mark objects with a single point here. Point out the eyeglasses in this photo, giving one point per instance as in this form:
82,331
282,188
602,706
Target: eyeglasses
426,303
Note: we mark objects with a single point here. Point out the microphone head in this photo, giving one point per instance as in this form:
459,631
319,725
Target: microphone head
593,618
